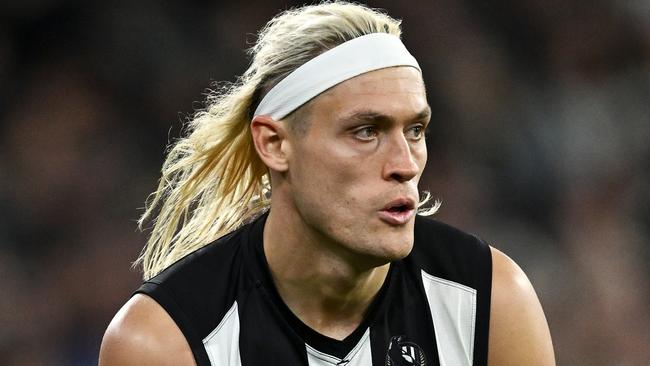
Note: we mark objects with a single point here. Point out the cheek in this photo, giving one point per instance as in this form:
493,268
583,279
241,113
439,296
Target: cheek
330,182
330,165
325,198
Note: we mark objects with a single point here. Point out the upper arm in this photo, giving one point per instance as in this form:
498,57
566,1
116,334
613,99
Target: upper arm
142,334
519,333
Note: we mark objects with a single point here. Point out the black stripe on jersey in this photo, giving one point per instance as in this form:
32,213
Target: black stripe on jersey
263,326
406,317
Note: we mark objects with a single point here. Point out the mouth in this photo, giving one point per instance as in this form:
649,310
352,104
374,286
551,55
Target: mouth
398,212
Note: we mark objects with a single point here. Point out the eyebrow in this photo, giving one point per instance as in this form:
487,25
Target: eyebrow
374,116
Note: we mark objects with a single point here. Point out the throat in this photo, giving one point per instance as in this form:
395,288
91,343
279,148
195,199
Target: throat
339,330
334,311
324,289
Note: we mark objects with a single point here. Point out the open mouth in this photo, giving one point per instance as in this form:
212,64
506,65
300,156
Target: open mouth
400,205
398,212
400,208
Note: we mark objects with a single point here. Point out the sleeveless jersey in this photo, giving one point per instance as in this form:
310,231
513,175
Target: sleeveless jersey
433,308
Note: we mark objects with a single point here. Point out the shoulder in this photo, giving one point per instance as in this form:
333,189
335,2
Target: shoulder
440,239
519,333
193,294
432,229
445,251
200,278
142,333
211,261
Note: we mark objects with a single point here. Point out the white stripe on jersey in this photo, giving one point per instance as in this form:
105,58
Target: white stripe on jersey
222,344
453,308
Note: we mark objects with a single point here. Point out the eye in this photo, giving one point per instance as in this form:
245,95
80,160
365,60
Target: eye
415,132
366,133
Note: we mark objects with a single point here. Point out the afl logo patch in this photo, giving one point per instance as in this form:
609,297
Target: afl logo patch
403,353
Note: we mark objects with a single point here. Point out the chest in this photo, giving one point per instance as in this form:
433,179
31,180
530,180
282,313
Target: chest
430,321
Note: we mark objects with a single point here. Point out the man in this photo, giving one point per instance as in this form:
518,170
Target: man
336,269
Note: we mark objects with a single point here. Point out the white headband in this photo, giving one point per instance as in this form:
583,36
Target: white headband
360,55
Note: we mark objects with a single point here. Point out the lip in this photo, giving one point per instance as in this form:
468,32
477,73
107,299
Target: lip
397,218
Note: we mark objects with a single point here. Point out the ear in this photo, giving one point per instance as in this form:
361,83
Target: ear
270,139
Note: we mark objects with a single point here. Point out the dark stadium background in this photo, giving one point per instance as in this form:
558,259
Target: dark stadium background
540,143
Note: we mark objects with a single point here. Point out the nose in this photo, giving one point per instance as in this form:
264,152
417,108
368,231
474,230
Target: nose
401,164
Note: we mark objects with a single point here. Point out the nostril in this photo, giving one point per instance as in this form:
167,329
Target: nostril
401,177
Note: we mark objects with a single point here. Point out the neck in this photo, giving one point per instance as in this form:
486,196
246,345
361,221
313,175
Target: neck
324,285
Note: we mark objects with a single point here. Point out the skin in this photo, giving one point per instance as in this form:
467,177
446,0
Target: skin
325,212
327,246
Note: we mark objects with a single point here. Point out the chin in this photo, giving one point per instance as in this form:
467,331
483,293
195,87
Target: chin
394,250
401,252
398,242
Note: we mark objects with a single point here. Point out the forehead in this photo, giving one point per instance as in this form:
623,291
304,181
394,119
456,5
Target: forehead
391,91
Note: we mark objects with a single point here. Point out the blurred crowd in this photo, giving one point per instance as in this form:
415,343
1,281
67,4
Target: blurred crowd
539,143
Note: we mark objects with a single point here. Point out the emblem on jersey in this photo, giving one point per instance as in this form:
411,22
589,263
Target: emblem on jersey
404,353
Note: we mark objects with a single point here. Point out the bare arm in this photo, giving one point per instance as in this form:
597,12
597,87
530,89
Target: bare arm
143,334
519,333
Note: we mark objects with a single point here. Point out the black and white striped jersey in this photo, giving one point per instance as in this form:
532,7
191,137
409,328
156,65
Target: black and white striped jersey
433,308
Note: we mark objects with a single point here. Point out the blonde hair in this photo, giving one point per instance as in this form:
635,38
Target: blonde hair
212,179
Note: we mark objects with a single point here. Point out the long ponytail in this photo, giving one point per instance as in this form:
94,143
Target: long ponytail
212,179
